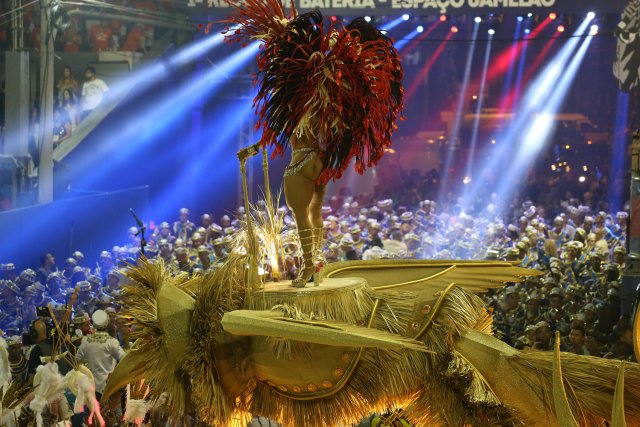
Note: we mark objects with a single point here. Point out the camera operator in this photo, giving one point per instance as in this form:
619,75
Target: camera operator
41,337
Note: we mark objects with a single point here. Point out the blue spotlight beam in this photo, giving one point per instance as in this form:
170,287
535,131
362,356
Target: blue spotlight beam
143,78
137,81
506,90
453,140
619,151
168,111
218,135
406,39
197,49
391,25
192,92
476,122
518,85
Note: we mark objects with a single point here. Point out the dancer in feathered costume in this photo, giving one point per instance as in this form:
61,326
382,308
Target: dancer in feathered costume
333,95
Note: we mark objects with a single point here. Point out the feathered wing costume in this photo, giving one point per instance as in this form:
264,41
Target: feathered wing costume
341,87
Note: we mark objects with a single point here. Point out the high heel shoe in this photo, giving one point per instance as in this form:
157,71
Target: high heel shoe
305,276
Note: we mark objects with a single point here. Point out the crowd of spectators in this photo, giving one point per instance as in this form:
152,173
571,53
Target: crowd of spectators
75,102
74,99
581,253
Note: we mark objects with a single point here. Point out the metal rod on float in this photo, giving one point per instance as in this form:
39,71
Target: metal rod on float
273,210
265,168
252,251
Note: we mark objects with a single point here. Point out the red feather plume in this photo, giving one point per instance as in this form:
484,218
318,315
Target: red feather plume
343,88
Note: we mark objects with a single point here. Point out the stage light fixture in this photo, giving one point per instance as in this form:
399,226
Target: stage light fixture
454,29
553,16
529,15
520,18
405,17
561,28
582,179
420,28
367,18
493,24
384,32
478,20
594,30
334,18
443,18
591,15
527,31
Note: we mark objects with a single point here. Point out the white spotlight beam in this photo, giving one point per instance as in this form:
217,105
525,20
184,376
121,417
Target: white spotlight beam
541,128
537,93
476,121
457,120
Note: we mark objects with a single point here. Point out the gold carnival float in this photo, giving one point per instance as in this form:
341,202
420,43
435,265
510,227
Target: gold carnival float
372,336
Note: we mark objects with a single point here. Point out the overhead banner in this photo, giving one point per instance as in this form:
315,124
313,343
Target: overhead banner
431,7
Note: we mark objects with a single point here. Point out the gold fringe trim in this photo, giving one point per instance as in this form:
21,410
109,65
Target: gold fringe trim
592,381
287,349
220,292
437,389
453,389
271,233
382,380
562,409
351,304
139,297
618,418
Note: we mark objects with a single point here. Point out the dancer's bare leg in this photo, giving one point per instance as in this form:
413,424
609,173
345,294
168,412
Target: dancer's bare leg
315,214
315,208
299,190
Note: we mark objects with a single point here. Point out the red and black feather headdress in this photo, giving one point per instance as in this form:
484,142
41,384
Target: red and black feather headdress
342,87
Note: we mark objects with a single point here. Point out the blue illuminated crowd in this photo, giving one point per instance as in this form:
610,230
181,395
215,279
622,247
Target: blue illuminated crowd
581,252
